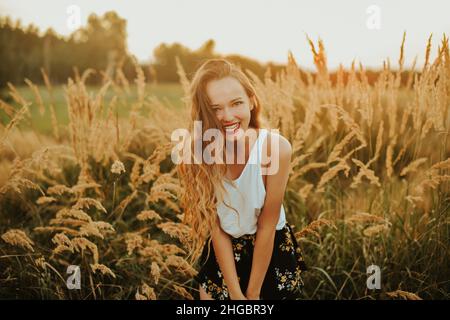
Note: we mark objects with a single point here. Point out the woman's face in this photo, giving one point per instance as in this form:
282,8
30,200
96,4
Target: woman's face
231,105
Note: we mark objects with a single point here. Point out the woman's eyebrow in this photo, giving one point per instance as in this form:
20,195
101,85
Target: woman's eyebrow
232,100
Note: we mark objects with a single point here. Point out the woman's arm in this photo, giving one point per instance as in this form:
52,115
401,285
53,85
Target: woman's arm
267,221
225,257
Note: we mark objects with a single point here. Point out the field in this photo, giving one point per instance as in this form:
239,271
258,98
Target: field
42,123
86,179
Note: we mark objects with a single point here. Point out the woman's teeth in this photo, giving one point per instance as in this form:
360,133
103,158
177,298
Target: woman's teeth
232,128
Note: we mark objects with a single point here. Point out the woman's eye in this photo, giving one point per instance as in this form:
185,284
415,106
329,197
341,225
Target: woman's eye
237,102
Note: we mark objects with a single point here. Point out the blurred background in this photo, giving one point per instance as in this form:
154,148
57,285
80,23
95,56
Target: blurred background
59,35
91,91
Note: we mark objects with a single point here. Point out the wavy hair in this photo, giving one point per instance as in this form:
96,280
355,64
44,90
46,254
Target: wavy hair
202,183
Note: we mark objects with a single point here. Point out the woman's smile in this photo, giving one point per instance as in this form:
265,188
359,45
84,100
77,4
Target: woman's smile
232,128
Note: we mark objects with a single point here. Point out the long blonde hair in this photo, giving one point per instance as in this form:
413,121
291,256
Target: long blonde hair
201,183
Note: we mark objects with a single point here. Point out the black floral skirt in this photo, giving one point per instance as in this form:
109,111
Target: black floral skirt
283,278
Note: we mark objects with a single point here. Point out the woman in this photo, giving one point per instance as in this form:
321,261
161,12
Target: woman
238,206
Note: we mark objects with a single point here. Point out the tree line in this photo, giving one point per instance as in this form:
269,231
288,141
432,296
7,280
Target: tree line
100,45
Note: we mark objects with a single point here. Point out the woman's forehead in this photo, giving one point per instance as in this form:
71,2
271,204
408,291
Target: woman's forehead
224,90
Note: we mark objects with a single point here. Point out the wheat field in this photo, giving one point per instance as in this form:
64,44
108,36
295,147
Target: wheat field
369,183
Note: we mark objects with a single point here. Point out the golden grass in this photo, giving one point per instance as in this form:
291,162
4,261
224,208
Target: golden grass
369,183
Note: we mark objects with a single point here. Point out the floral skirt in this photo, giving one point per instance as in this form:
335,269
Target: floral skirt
283,278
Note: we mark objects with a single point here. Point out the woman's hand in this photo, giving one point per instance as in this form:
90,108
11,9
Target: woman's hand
223,249
252,296
238,296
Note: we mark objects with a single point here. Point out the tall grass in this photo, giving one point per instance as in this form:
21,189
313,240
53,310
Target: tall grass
368,185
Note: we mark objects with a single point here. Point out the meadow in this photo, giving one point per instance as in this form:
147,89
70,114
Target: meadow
86,179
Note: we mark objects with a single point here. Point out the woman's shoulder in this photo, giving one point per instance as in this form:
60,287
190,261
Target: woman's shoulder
276,144
276,154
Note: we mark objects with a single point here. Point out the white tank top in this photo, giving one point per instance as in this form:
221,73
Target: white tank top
247,197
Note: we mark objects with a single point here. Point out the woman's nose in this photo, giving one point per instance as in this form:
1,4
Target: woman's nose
227,115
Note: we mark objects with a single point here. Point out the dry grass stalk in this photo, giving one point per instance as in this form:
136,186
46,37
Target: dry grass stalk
18,238
365,217
405,295
313,227
103,269
182,292
148,215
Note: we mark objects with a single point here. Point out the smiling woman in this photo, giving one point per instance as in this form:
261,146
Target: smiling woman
238,207
234,113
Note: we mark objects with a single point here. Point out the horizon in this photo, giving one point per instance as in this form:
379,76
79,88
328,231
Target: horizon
344,42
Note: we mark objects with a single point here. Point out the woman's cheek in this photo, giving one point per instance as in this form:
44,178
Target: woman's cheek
244,111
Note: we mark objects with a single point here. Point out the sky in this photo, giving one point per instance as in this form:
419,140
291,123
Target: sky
366,30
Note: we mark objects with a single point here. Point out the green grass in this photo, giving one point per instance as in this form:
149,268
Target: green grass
170,92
